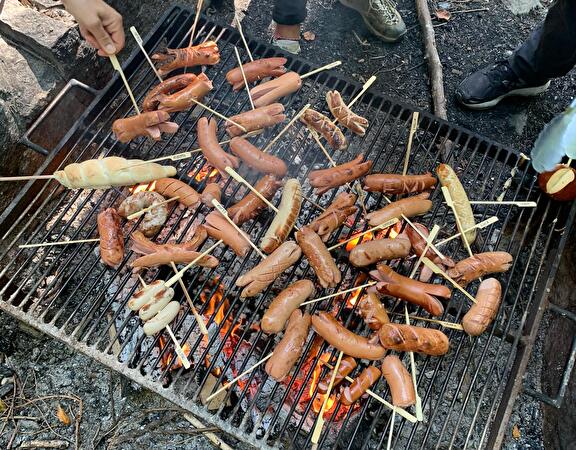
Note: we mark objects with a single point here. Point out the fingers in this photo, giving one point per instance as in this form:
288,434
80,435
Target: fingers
114,26
103,39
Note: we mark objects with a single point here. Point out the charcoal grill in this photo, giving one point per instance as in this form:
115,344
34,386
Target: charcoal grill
67,293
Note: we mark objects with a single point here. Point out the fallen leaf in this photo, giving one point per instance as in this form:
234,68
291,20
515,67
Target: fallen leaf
516,432
309,36
443,14
62,416
3,406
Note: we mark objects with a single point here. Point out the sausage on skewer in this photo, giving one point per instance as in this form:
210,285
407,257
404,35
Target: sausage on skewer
480,264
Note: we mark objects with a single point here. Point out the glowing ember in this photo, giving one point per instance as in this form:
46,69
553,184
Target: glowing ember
364,238
167,357
204,173
143,187
319,399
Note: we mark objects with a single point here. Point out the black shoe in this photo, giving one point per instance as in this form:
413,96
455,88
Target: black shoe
486,87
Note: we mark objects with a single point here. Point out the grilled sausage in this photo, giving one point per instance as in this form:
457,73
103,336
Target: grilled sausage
111,238
323,125
170,187
146,295
482,313
261,276
151,124
270,91
257,159
372,311
256,70
286,217
345,340
368,378
345,116
371,252
144,246
211,149
419,244
567,193
462,205
413,291
408,338
480,264
290,347
162,319
410,207
153,219
341,208
186,98
284,304
219,228
211,192
319,257
205,54
166,87
400,382
250,206
325,179
347,365
156,304
392,184
256,119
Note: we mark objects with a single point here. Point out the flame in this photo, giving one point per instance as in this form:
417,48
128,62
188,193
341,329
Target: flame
364,238
167,357
143,187
319,398
204,173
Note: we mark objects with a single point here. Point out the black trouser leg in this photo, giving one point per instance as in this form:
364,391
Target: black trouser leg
550,51
289,12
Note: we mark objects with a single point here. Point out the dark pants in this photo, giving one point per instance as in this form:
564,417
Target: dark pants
550,51
289,12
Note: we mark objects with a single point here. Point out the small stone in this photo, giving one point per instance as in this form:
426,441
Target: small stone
457,72
361,60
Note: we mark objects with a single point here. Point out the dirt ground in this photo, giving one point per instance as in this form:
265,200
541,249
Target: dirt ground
119,414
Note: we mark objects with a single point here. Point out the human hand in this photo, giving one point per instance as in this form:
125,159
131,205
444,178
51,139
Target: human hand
100,24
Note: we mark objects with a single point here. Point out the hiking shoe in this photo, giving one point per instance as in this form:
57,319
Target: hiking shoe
485,88
381,18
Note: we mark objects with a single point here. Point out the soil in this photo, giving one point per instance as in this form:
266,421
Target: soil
468,41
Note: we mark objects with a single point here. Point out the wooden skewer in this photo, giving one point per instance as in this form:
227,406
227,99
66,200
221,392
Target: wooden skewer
439,271
177,347
145,210
193,30
219,443
223,211
482,224
451,205
313,203
197,316
140,43
413,128
320,69
336,294
444,323
386,224
216,113
521,204
279,135
239,27
28,177
320,422
118,69
179,275
389,444
247,371
49,244
400,411
243,74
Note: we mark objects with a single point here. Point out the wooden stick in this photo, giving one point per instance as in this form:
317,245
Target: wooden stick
429,240
239,27
247,371
313,203
149,208
279,135
49,244
140,43
336,294
450,203
521,204
179,275
439,271
366,86
197,316
193,30
320,69
389,445
28,177
244,76
118,68
386,224
223,211
320,422
216,113
482,224
413,128
230,171
400,411
444,323
211,436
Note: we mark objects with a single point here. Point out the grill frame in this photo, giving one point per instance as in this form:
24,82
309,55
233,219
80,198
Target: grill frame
431,124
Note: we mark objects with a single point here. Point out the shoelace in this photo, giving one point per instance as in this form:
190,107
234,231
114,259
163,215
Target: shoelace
386,7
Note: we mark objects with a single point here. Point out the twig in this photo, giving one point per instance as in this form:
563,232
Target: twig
465,11
215,439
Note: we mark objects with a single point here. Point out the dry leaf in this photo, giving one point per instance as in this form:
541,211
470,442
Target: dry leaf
443,14
3,406
309,36
62,416
516,432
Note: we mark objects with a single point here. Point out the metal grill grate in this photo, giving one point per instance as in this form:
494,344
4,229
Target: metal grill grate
69,294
